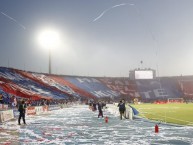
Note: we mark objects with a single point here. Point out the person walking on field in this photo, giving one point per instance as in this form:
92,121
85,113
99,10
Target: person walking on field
94,106
122,108
21,109
100,107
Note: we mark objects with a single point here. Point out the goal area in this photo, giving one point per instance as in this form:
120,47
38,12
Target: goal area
175,100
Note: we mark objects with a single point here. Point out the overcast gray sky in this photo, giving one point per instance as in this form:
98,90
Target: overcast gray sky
99,37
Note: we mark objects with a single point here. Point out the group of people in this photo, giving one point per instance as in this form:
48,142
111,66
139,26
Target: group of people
93,105
21,105
12,101
100,105
7,99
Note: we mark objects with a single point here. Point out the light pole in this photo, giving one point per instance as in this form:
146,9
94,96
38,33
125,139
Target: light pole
49,39
50,67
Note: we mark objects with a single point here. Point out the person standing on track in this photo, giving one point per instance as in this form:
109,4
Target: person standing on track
21,109
100,107
122,108
94,106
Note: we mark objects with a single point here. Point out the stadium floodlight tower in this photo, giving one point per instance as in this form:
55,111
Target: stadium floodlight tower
49,38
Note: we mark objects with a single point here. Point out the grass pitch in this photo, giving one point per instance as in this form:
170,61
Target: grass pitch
181,114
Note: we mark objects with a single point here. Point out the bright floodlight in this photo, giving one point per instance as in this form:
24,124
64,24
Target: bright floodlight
49,38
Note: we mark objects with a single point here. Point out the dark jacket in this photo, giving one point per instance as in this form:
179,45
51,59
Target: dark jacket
22,108
100,107
121,106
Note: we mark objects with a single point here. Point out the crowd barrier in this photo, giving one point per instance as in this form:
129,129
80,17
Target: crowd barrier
3,106
6,115
15,113
54,107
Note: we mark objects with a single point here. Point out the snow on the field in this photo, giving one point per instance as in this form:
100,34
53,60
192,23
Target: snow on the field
79,125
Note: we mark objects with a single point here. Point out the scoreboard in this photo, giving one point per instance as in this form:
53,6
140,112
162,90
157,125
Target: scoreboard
142,74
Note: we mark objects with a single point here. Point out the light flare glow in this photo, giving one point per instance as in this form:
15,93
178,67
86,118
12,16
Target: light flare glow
49,38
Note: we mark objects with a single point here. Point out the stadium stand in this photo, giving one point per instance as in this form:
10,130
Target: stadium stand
36,86
92,85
